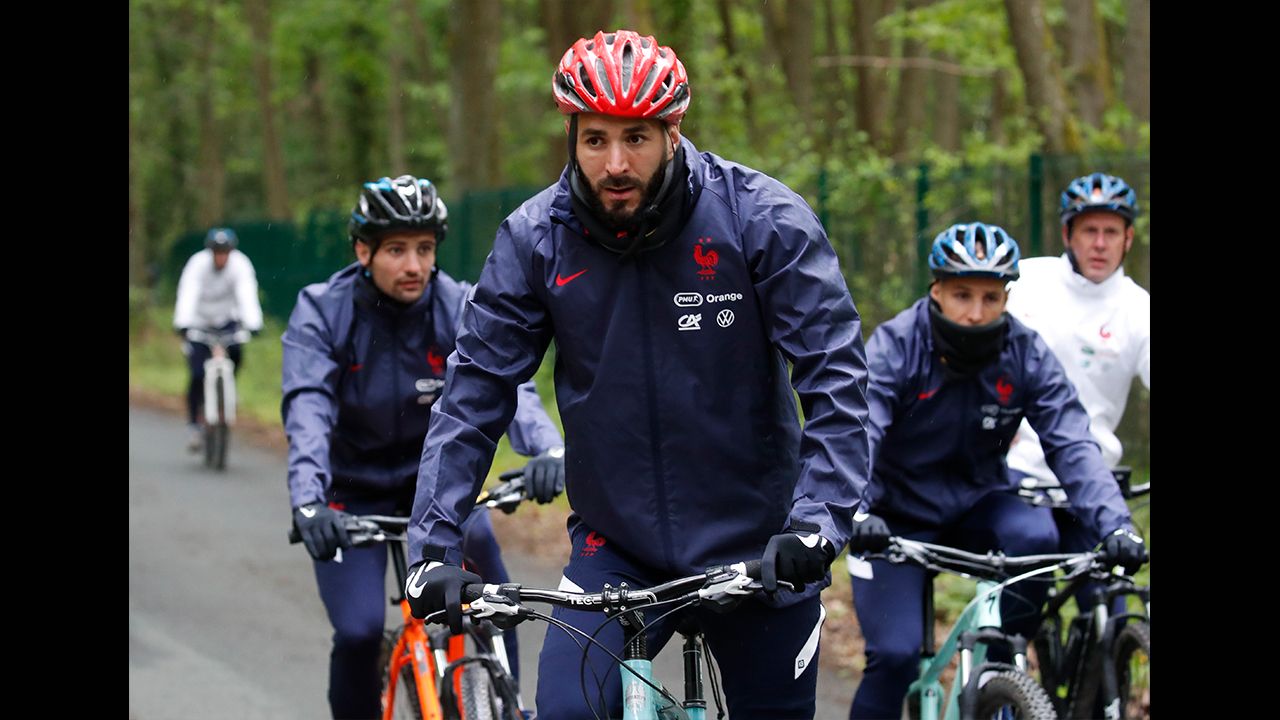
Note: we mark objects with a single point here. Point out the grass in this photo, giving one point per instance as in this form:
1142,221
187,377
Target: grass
156,364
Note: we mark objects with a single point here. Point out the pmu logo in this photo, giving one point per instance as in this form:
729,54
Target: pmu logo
1004,390
707,260
435,361
593,543
688,299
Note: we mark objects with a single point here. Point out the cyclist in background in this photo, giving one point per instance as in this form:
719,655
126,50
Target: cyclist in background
951,378
1097,322
678,287
364,362
217,291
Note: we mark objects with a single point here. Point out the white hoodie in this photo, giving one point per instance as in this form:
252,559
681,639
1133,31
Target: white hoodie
209,298
1100,332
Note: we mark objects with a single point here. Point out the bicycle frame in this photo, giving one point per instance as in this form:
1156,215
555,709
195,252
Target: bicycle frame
981,614
219,368
1097,637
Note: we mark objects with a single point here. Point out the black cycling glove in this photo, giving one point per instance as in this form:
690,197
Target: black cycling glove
1125,548
870,534
323,529
796,558
433,586
544,475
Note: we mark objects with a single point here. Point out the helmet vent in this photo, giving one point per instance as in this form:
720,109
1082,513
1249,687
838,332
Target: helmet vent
628,61
605,87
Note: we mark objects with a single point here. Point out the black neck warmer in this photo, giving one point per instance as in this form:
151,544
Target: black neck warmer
966,349
651,226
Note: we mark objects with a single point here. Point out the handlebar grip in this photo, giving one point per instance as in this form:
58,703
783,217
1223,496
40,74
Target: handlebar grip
295,537
753,569
512,474
472,591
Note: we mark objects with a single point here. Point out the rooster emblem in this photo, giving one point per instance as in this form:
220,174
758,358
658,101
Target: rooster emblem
707,260
435,361
1004,389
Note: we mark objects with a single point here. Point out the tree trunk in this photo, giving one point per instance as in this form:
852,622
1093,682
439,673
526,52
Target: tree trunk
1137,59
137,194
1046,96
211,172
273,178
397,161
999,107
1088,72
789,27
564,22
831,81
729,38
636,15
946,113
871,96
475,30
908,113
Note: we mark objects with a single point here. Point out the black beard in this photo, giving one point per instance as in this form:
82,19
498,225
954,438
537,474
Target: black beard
621,218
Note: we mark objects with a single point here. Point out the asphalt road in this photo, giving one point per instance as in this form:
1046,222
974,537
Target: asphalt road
224,617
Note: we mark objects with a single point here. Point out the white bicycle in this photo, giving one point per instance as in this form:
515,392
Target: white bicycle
219,392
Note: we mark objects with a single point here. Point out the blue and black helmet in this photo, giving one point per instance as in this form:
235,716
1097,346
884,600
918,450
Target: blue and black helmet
221,238
974,250
1099,191
405,203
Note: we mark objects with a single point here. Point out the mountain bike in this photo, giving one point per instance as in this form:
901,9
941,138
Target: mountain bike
1102,668
981,689
642,697
428,673
219,391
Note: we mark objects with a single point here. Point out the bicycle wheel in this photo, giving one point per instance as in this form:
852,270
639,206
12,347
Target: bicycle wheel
220,431
1012,694
479,697
1133,670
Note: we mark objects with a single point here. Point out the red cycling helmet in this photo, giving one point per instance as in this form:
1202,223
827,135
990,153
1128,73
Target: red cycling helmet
622,73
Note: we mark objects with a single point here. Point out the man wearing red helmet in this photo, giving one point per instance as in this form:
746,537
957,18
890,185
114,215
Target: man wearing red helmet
691,300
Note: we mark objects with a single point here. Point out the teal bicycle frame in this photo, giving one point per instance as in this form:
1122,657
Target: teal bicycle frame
639,700
979,624
983,612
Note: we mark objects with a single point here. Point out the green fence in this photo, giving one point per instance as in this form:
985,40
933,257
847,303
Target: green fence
881,221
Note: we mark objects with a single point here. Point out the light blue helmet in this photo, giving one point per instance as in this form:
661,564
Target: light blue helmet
974,250
1099,191
221,238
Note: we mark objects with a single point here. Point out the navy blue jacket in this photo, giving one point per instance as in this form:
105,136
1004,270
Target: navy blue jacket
683,445
938,445
360,374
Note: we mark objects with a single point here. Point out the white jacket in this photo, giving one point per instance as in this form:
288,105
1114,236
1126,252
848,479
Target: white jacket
1100,332
209,298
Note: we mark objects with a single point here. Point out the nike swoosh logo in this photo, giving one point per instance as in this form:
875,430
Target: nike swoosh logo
562,281
307,512
412,587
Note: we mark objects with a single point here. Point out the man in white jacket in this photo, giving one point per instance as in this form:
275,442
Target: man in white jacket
1096,320
218,291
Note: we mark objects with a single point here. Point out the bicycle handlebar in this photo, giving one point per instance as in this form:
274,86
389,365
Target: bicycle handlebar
717,585
212,337
991,565
367,530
